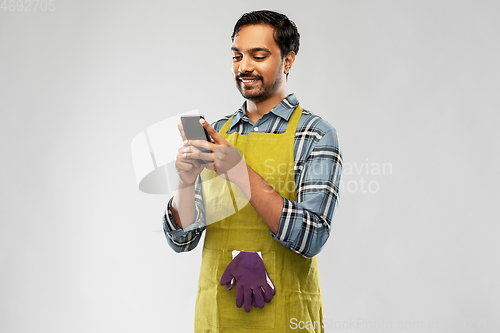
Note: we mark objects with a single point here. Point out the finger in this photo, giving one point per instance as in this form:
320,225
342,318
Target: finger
258,298
181,130
206,157
209,166
239,295
216,137
270,283
184,158
226,277
185,165
268,293
248,299
200,144
188,149
197,163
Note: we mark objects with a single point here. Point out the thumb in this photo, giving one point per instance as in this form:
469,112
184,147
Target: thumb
230,285
226,277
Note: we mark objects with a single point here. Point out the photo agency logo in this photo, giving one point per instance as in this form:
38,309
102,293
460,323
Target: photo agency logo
357,324
409,325
154,153
365,177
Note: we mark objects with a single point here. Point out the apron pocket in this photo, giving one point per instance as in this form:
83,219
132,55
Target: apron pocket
216,305
234,317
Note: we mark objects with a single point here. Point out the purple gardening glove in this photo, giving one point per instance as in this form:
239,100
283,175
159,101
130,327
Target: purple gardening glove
253,285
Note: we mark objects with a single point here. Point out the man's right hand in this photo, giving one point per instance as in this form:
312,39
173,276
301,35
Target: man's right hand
187,168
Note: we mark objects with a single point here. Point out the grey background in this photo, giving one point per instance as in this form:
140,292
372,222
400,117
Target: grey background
410,83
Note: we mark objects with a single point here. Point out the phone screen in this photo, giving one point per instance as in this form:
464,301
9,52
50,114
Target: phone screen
193,129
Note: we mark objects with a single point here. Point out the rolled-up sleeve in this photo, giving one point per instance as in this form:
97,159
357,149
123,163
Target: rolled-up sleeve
305,223
184,240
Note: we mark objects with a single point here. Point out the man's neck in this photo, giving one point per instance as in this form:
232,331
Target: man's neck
255,110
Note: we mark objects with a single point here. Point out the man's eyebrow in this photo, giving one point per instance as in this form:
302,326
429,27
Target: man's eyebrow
255,49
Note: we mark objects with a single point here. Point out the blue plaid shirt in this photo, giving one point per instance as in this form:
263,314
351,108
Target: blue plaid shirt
305,224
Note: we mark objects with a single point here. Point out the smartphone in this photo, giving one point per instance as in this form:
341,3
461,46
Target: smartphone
195,131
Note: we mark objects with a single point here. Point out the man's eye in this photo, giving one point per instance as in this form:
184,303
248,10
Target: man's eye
236,58
259,58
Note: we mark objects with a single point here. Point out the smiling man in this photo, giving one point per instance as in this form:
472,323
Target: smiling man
258,69
262,256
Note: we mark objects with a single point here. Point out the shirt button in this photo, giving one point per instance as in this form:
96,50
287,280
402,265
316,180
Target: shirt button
255,129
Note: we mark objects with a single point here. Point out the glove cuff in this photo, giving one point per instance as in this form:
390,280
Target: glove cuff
236,252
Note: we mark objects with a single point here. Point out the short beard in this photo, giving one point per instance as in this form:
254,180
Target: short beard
265,93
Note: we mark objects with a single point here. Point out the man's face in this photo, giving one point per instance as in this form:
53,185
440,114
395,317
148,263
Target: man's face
257,63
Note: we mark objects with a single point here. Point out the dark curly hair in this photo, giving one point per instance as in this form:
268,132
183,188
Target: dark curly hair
286,34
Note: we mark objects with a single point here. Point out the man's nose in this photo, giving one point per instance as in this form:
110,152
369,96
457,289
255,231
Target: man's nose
246,65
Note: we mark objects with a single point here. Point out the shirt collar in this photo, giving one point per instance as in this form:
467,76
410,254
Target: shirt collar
284,110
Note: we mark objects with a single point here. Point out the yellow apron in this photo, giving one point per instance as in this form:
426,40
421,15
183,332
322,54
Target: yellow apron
298,299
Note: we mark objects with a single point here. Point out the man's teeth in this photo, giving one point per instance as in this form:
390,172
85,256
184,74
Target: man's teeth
246,81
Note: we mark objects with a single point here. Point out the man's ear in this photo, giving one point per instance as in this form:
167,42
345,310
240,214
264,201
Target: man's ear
289,59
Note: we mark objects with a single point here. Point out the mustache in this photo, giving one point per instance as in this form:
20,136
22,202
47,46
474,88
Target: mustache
249,77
